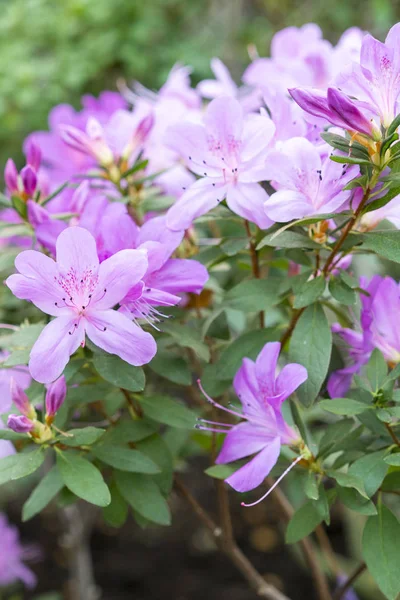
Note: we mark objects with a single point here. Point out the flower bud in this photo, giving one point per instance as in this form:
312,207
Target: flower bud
55,396
21,400
11,176
29,180
36,214
20,424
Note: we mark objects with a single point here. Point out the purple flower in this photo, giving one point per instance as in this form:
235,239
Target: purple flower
229,153
307,184
12,555
336,108
376,80
55,396
81,293
359,344
20,423
263,430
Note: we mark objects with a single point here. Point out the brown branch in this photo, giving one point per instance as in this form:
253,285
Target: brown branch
230,548
255,265
392,434
345,233
293,322
317,573
340,592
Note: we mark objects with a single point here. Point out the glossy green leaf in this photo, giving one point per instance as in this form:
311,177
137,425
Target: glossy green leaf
118,372
82,478
44,492
143,494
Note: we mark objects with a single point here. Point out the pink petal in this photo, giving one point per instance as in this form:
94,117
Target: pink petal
201,197
289,379
258,131
121,337
243,440
179,275
189,140
117,275
224,121
36,282
247,200
51,351
246,388
266,365
76,249
256,470
286,205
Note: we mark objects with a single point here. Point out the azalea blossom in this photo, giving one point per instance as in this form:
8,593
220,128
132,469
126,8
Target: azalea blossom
263,430
228,152
307,184
80,292
13,555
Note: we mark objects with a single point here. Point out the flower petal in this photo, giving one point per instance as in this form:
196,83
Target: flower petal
288,380
113,332
76,249
51,351
247,200
37,282
117,275
266,365
224,121
201,197
179,275
241,441
286,205
256,470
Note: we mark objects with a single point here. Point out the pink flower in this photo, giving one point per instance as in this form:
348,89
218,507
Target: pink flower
55,396
229,153
263,430
307,185
81,293
12,555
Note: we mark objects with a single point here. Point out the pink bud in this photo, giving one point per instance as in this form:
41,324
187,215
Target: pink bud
11,176
144,128
33,156
20,399
55,396
29,180
20,424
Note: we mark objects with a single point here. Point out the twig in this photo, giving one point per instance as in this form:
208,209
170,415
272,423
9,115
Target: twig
231,550
318,575
340,592
392,434
293,322
255,265
345,233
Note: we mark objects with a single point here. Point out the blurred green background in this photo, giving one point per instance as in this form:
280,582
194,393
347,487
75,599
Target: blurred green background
53,51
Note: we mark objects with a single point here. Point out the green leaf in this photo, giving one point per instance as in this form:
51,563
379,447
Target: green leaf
48,488
342,292
311,486
376,370
167,410
188,338
384,243
116,513
157,449
349,160
393,126
173,368
129,431
82,437
332,440
253,295
233,246
288,239
303,522
343,406
221,471
309,292
371,469
393,459
381,551
352,499
8,434
82,478
118,372
20,465
124,459
348,480
311,346
144,496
